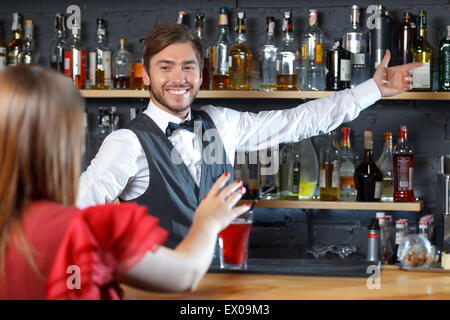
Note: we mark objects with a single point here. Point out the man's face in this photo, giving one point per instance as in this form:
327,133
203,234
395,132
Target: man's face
174,78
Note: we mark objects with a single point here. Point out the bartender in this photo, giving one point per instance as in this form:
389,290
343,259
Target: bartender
161,159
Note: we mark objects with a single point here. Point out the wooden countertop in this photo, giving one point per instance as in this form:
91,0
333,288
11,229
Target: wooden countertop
394,284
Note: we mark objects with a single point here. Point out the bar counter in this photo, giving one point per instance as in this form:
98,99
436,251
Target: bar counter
394,284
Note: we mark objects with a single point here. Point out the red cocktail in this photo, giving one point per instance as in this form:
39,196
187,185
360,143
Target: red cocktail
233,242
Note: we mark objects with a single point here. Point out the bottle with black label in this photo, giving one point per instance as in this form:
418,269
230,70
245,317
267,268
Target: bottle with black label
339,67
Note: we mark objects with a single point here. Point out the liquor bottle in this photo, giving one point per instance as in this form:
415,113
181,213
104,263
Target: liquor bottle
347,159
290,170
182,18
356,41
16,44
268,58
399,235
444,62
253,174
287,62
385,253
381,37
329,169
220,53
121,66
386,165
240,58
406,39
368,178
27,55
199,29
58,44
373,245
137,81
403,167
422,77
2,51
339,67
312,67
270,173
75,58
100,60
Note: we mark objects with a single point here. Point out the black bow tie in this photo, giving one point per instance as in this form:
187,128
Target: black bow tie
187,125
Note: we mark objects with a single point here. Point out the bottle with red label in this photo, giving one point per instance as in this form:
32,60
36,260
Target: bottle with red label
403,167
75,58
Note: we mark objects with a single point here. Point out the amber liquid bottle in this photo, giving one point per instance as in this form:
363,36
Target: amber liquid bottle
199,29
287,57
240,58
17,42
368,178
403,167
329,179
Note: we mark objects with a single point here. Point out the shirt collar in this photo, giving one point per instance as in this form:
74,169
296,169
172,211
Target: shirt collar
161,117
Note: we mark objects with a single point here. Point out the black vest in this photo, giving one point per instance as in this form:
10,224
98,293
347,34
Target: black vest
172,194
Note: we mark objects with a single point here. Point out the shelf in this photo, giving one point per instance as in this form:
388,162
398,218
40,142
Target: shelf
415,206
228,94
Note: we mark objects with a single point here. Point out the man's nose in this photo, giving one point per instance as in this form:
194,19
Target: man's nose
178,75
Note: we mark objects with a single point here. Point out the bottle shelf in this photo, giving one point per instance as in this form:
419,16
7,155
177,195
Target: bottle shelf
415,206
232,94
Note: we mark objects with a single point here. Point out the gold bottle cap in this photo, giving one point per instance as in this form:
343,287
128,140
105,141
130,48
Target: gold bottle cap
368,140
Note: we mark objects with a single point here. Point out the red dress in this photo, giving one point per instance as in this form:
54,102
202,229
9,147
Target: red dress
80,253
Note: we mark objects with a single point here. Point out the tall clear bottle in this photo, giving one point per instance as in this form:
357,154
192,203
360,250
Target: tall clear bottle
356,41
268,58
309,176
406,39
287,62
221,53
200,31
240,58
444,62
368,178
2,51
348,160
386,165
58,44
16,44
100,60
28,54
312,67
422,77
290,171
75,58
329,179
121,66
403,156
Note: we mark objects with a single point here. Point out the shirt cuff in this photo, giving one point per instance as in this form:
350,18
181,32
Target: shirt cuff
367,93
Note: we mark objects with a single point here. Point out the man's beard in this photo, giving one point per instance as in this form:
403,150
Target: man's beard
158,97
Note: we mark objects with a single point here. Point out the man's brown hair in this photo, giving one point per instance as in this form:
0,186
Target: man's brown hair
165,34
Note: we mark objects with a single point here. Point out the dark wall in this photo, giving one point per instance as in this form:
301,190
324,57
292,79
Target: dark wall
279,232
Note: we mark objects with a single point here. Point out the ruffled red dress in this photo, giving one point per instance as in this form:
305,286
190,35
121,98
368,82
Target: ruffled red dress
79,253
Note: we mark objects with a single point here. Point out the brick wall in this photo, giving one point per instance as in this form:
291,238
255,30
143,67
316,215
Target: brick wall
281,232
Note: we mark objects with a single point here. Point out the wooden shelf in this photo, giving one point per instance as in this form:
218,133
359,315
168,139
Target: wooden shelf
228,94
415,206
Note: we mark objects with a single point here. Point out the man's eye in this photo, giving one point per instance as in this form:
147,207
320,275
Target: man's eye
164,68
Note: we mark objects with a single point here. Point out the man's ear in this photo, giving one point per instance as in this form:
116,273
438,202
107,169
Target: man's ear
145,77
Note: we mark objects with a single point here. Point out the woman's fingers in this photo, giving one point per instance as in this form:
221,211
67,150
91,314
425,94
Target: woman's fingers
237,211
217,186
235,197
228,190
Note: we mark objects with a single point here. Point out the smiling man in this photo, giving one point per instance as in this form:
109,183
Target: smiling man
137,164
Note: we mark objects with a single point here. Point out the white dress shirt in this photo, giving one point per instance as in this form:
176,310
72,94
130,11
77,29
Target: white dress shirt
120,168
